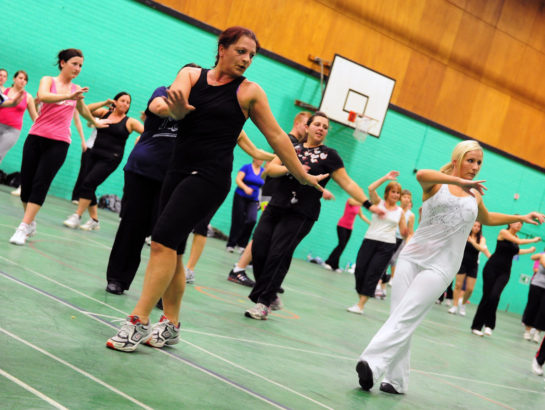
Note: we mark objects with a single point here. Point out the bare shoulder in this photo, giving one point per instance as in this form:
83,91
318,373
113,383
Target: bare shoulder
250,90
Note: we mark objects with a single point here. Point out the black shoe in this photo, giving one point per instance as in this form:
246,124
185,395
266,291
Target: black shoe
115,288
388,388
240,278
365,375
159,304
280,290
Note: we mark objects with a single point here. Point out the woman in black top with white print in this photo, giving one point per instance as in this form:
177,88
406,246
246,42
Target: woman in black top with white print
292,211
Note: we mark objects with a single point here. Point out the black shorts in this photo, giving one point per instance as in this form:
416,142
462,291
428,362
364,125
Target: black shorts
469,270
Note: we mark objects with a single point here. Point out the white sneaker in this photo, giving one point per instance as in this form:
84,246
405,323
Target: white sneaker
477,332
72,221
527,335
327,267
229,249
164,333
276,304
339,270
17,192
537,337
453,310
20,235
31,229
90,225
132,333
75,202
189,275
355,309
462,310
488,331
536,368
448,302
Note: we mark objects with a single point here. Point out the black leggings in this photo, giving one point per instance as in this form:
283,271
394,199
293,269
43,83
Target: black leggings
540,355
534,313
372,258
344,235
84,157
186,199
278,233
42,159
97,169
138,215
243,218
493,284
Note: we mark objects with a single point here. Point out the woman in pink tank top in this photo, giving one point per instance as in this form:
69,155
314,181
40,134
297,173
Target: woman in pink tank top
11,118
344,230
47,144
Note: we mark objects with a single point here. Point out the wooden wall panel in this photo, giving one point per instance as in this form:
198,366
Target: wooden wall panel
467,64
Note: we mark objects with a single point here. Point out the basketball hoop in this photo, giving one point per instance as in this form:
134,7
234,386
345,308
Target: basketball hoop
363,125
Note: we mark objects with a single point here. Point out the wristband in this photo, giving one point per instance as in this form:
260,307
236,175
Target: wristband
367,204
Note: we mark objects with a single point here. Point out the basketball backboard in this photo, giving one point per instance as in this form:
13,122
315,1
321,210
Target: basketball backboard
354,87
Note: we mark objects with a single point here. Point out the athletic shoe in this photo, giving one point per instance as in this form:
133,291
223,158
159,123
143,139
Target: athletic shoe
527,335
537,368
462,310
379,294
17,192
21,234
189,275
114,288
148,240
240,278
276,304
355,309
339,270
164,333
453,310
487,331
327,266
365,375
388,388
258,312
448,302
239,249
72,221
131,334
229,249
537,337
90,225
477,332
75,201
31,229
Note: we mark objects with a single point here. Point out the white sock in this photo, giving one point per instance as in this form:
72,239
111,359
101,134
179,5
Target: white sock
236,269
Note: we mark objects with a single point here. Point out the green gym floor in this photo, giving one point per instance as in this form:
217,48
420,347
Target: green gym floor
55,318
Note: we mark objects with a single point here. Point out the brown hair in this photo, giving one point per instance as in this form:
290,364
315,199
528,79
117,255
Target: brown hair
21,72
389,187
316,114
406,192
231,35
67,54
299,117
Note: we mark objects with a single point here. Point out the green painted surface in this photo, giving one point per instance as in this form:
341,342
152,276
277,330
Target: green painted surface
128,46
303,357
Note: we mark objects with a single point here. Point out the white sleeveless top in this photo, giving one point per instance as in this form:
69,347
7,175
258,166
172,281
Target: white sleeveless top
440,239
384,229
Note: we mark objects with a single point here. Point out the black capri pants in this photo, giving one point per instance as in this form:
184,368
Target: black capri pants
186,199
97,169
42,159
372,259
534,313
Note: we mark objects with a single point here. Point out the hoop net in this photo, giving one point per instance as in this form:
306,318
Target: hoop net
363,125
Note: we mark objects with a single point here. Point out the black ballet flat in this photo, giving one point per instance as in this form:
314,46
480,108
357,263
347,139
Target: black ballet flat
388,388
365,375
115,288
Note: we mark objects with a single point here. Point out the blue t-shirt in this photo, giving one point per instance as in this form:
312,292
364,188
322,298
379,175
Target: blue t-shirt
151,154
252,180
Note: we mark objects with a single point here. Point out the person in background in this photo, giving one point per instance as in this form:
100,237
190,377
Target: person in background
534,313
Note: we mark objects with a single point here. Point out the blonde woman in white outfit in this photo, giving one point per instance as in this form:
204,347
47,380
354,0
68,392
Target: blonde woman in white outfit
428,263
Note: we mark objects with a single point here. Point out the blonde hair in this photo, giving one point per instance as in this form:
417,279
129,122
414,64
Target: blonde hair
389,187
458,153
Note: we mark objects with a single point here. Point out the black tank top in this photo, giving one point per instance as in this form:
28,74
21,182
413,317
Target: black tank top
502,258
110,141
471,256
207,136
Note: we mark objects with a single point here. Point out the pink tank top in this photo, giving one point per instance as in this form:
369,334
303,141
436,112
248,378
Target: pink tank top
350,212
13,116
55,118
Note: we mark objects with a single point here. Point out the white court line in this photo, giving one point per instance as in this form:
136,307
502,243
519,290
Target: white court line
32,390
90,315
75,368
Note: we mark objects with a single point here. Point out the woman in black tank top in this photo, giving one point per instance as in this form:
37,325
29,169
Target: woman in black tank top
496,274
467,273
212,106
105,156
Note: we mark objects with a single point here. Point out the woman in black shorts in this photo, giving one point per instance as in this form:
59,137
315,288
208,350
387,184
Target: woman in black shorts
211,106
475,244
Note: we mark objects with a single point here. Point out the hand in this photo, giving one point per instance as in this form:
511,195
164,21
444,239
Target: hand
534,218
377,210
78,95
102,123
109,103
471,239
248,191
467,185
313,180
391,175
537,239
178,106
532,249
18,97
83,146
327,195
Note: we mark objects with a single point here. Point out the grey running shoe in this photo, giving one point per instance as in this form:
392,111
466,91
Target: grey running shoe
90,225
189,275
72,221
131,334
258,312
164,333
276,304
